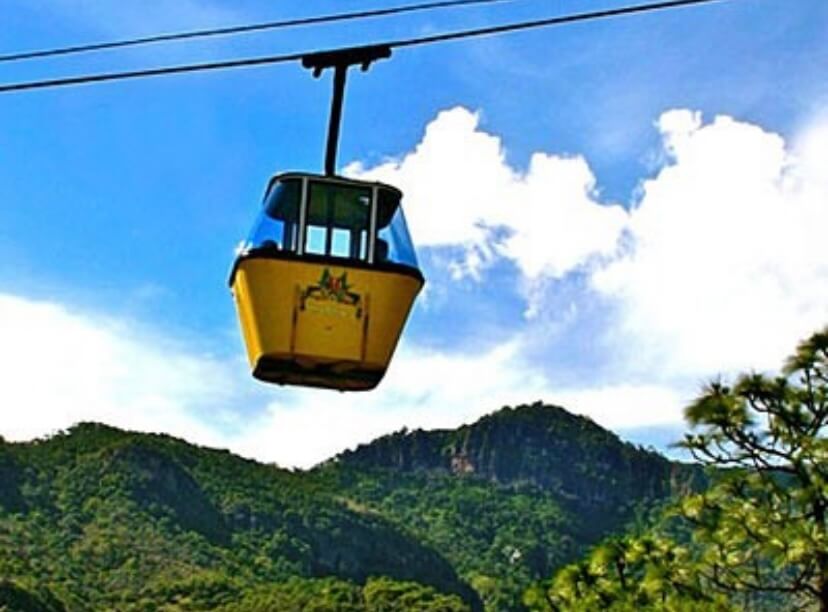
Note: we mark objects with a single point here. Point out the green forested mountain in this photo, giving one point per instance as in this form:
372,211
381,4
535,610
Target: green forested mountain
98,518
512,497
106,518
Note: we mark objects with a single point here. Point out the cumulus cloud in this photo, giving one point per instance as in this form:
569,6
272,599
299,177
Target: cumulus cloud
720,265
438,390
727,265
61,367
461,192
423,388
626,405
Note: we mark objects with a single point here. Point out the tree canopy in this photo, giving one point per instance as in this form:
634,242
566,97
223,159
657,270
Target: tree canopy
757,538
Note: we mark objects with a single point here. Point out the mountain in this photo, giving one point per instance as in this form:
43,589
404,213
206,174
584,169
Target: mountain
97,518
115,520
510,498
536,446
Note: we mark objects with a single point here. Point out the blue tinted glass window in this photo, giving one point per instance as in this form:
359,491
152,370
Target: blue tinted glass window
315,243
277,226
341,243
394,242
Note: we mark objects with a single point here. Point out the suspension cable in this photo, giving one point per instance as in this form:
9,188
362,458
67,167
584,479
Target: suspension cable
242,29
409,42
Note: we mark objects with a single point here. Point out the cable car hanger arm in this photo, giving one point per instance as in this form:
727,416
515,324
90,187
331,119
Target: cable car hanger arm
340,61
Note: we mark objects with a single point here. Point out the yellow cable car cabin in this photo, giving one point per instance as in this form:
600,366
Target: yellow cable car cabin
325,282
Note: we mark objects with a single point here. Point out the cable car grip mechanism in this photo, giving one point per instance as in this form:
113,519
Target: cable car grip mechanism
340,61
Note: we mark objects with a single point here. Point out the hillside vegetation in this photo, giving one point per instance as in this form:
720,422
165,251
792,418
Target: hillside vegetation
756,537
98,518
512,497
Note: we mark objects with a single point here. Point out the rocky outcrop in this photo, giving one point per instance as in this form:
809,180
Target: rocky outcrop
539,446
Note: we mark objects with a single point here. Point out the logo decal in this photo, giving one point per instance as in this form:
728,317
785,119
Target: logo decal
332,289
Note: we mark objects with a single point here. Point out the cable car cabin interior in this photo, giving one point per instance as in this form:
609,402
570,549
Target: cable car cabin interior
325,282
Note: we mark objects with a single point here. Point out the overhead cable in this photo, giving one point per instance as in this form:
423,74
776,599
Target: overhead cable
242,29
409,42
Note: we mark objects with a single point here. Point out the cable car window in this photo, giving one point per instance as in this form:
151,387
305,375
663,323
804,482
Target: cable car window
388,202
337,220
393,242
315,243
277,226
341,243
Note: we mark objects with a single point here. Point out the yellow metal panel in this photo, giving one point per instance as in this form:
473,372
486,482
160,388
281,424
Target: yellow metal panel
325,320
326,328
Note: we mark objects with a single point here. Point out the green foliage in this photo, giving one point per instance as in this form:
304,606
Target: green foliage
331,595
113,520
443,520
512,497
301,595
485,530
384,595
15,598
764,527
758,537
648,572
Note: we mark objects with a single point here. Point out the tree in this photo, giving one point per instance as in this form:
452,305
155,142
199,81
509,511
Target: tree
757,537
646,572
763,525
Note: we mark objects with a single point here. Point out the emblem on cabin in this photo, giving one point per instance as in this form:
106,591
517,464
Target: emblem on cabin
332,288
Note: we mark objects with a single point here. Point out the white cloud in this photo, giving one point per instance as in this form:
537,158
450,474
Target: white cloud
626,406
423,388
460,191
724,267
432,390
61,367
728,265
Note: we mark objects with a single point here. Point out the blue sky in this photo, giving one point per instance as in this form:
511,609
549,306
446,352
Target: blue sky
609,213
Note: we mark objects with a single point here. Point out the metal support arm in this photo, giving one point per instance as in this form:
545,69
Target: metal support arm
340,61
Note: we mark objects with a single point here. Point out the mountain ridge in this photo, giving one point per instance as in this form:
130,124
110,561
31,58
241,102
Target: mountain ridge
473,514
543,433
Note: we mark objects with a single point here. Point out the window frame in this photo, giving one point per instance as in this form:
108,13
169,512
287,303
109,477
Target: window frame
364,243
304,203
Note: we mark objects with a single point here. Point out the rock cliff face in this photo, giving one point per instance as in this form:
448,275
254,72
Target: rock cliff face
539,446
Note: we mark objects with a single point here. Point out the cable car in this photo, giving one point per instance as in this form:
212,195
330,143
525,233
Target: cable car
327,277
